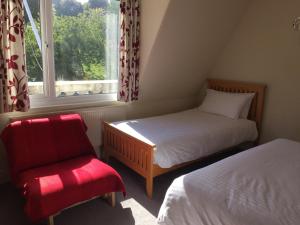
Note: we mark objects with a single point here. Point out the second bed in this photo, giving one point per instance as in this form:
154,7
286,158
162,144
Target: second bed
259,186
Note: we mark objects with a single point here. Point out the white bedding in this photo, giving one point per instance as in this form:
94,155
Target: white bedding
260,186
188,135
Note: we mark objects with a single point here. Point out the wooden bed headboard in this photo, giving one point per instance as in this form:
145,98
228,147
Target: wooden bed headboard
256,109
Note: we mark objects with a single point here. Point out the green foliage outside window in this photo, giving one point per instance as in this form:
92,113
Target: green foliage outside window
79,40
33,55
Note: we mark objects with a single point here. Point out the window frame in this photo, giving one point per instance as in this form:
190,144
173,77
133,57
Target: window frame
49,98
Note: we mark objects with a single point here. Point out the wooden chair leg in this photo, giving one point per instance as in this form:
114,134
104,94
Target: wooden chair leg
110,198
51,220
149,186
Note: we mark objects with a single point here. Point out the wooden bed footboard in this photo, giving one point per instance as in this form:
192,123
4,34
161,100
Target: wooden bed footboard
130,151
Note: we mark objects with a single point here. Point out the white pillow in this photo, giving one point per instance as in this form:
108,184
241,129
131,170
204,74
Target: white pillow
227,104
245,110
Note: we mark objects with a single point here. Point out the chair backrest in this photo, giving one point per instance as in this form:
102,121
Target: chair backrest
37,142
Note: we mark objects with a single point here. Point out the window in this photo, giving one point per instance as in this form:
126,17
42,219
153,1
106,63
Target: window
71,50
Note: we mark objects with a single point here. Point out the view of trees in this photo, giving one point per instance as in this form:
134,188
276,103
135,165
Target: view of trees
79,33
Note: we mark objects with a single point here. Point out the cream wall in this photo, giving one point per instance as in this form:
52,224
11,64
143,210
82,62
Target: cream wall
264,48
190,36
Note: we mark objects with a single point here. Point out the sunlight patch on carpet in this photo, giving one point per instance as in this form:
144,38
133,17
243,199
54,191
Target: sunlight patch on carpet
141,215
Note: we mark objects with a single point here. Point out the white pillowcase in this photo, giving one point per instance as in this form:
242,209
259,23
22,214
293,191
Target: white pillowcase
232,105
246,108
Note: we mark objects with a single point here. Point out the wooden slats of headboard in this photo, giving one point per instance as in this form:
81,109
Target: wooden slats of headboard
256,109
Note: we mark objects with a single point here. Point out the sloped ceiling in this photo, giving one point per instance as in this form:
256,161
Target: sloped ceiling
266,49
180,42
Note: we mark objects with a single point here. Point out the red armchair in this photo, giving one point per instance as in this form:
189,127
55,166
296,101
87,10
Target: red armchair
54,165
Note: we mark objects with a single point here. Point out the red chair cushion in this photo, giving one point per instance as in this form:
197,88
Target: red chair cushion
37,142
49,189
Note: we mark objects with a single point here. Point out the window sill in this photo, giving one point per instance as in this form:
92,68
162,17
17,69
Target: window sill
40,101
63,106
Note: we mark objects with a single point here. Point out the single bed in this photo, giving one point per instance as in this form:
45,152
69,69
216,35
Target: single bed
259,186
157,145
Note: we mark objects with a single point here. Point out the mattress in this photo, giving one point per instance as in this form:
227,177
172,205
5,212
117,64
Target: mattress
260,186
188,135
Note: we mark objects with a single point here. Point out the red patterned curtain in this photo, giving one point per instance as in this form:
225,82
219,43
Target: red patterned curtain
13,85
129,50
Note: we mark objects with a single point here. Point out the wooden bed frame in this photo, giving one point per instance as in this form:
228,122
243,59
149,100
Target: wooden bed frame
139,155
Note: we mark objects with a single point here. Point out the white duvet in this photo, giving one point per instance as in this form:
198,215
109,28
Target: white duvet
188,135
260,186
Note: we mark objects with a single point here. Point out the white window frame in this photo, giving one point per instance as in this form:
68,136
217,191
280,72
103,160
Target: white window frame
49,97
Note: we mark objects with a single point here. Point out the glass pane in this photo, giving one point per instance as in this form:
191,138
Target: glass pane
33,46
85,46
